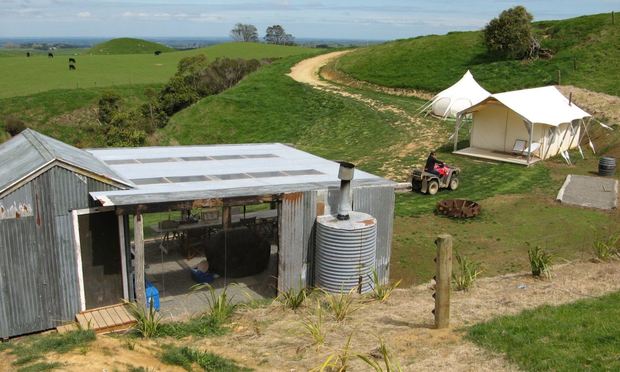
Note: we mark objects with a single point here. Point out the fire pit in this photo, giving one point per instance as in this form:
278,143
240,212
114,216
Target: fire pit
458,208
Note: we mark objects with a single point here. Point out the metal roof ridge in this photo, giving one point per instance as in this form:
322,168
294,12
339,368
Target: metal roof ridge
45,151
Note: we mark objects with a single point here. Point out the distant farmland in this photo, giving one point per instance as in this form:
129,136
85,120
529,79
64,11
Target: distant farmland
24,76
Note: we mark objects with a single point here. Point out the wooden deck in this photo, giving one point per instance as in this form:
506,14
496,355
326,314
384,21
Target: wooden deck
496,155
106,319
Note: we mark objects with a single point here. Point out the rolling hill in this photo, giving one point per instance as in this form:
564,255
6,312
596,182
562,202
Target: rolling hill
586,52
126,45
23,76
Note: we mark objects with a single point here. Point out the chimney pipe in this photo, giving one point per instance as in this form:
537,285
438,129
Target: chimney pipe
345,174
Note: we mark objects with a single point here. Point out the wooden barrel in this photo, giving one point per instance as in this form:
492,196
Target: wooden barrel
606,166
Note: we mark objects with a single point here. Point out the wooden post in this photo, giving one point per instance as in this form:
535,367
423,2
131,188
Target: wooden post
613,20
443,279
138,240
559,77
227,218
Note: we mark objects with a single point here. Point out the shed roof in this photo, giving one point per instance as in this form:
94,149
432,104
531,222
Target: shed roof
30,152
183,173
544,105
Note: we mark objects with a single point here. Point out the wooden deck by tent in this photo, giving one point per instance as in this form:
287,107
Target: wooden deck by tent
105,319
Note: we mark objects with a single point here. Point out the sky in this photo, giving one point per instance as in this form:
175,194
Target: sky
337,19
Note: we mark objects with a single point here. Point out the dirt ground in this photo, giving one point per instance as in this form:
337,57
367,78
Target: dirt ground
272,338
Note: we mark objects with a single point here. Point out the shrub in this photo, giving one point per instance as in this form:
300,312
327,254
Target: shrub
341,304
510,34
147,321
540,262
13,125
380,291
109,105
606,249
466,274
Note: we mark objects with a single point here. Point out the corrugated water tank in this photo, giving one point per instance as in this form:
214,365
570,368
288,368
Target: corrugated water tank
345,252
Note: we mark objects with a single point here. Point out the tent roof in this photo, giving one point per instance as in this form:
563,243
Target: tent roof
545,105
467,87
31,151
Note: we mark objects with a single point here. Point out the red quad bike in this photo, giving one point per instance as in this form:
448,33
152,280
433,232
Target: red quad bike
429,183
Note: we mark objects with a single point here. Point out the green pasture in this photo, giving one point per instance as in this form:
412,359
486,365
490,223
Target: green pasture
22,76
581,336
127,45
586,52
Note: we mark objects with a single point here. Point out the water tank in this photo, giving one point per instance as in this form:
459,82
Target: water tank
606,166
345,251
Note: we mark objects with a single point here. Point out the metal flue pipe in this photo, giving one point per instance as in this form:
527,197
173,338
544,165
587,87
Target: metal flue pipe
345,174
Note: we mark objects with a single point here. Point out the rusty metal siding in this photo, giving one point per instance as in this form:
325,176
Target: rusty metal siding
296,221
378,201
39,281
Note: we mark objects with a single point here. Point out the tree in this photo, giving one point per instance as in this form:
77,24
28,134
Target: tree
244,32
276,35
510,34
13,125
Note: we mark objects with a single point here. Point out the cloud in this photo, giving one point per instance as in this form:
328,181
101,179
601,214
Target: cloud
84,15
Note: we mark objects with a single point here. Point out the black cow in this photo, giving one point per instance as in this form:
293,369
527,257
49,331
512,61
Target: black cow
71,67
50,55
71,60
157,52
27,54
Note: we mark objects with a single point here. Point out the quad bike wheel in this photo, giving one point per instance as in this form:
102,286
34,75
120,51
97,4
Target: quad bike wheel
433,187
416,185
454,183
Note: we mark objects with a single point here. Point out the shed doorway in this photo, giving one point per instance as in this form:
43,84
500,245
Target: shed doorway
102,273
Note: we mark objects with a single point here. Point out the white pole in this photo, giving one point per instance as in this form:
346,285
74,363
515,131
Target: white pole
456,130
529,143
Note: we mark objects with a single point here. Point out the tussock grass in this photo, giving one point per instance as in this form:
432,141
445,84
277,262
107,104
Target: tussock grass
341,305
382,292
221,305
540,262
389,364
466,274
606,249
293,298
148,321
314,327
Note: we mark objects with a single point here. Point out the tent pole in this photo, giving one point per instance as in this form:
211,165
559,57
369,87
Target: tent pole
456,131
529,144
562,141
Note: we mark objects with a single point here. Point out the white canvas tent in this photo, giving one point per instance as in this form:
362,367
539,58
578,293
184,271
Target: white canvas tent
463,94
524,124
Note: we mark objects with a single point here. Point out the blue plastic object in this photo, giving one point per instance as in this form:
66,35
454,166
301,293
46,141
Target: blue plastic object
152,294
202,277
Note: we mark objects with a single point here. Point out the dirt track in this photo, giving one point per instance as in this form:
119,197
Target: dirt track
307,71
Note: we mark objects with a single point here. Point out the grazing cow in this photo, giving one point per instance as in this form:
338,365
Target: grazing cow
27,54
71,60
50,55
157,52
71,67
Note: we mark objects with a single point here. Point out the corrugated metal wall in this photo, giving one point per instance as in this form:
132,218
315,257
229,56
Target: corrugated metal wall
378,201
296,249
39,288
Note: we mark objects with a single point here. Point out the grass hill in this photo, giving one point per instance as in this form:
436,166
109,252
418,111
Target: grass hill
586,51
126,45
23,76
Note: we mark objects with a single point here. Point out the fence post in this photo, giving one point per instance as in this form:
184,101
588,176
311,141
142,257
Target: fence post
443,263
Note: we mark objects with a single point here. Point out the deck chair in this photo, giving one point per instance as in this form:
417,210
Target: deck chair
519,147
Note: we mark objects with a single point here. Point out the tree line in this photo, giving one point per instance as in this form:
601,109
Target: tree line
273,34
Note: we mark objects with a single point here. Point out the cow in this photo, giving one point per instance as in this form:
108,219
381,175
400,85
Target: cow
50,55
27,54
157,52
71,67
71,60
